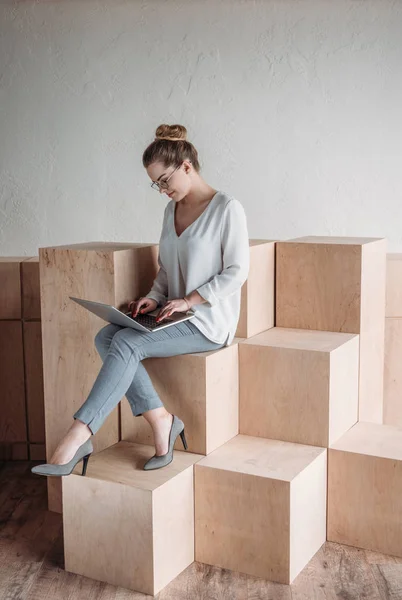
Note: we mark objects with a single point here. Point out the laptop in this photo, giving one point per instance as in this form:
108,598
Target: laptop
145,322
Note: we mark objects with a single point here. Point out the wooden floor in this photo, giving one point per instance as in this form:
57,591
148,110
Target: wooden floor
32,564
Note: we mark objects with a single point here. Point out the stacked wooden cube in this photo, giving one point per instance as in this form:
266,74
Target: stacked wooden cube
113,273
393,342
285,420
22,427
261,499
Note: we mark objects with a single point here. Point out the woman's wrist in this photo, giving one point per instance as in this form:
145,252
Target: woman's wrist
188,303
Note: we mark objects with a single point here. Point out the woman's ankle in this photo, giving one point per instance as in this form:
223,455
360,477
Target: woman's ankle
156,415
80,430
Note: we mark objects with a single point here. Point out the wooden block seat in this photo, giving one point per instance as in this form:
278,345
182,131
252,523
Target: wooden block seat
13,417
10,289
365,488
257,308
393,306
33,363
30,280
298,385
202,388
126,526
338,284
393,343
393,372
113,273
260,507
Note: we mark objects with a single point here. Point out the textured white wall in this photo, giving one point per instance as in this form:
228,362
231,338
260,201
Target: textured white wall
294,106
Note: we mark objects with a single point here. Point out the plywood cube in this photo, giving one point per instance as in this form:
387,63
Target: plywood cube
126,526
113,273
30,288
299,385
260,507
12,386
393,372
37,452
257,308
394,286
13,451
365,488
33,361
202,389
10,288
338,284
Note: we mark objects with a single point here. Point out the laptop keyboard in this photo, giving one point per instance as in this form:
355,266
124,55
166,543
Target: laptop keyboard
149,320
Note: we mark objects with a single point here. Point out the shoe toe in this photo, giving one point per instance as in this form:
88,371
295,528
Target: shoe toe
156,462
49,469
40,469
149,464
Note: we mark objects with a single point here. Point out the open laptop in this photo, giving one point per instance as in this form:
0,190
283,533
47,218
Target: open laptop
142,322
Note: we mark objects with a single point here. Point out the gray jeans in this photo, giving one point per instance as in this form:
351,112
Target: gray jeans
122,374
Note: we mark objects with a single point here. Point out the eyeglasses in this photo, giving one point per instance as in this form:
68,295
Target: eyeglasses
163,183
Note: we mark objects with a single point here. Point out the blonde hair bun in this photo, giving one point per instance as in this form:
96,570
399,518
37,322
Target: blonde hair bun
172,133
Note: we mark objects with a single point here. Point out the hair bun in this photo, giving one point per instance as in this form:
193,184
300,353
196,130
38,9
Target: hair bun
172,133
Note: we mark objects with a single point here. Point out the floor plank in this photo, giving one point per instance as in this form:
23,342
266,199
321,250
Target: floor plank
32,562
352,575
315,581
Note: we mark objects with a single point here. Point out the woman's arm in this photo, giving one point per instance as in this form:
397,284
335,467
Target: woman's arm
159,290
195,298
235,255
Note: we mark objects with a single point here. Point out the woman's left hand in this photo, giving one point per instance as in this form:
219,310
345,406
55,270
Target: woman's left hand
172,306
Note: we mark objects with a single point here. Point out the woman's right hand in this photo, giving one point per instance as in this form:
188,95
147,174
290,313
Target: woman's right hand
143,306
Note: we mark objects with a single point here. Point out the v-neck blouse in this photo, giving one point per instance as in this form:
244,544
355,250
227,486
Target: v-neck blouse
211,256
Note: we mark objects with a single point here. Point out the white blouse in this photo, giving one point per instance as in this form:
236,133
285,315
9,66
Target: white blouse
211,256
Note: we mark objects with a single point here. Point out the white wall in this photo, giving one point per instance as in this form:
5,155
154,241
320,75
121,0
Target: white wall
294,106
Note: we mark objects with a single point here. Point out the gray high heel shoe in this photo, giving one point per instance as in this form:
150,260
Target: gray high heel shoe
156,462
84,452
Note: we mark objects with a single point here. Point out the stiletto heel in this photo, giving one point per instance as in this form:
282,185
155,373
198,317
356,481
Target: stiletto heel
84,451
156,462
183,439
84,464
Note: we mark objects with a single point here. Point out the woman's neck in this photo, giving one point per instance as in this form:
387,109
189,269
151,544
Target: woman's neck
199,194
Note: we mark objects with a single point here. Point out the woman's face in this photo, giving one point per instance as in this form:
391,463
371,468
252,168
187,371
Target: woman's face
178,179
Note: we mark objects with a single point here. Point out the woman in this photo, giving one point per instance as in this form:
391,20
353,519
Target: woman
204,261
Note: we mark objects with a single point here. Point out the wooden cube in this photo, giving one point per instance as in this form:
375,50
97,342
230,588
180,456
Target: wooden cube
113,273
10,288
34,380
393,372
201,388
30,288
338,284
126,526
299,385
12,385
37,452
13,451
365,488
394,286
260,507
257,308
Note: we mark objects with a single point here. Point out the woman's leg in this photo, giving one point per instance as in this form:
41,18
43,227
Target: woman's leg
128,347
141,394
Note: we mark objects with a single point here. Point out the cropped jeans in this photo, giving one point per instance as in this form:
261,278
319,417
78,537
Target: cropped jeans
122,374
